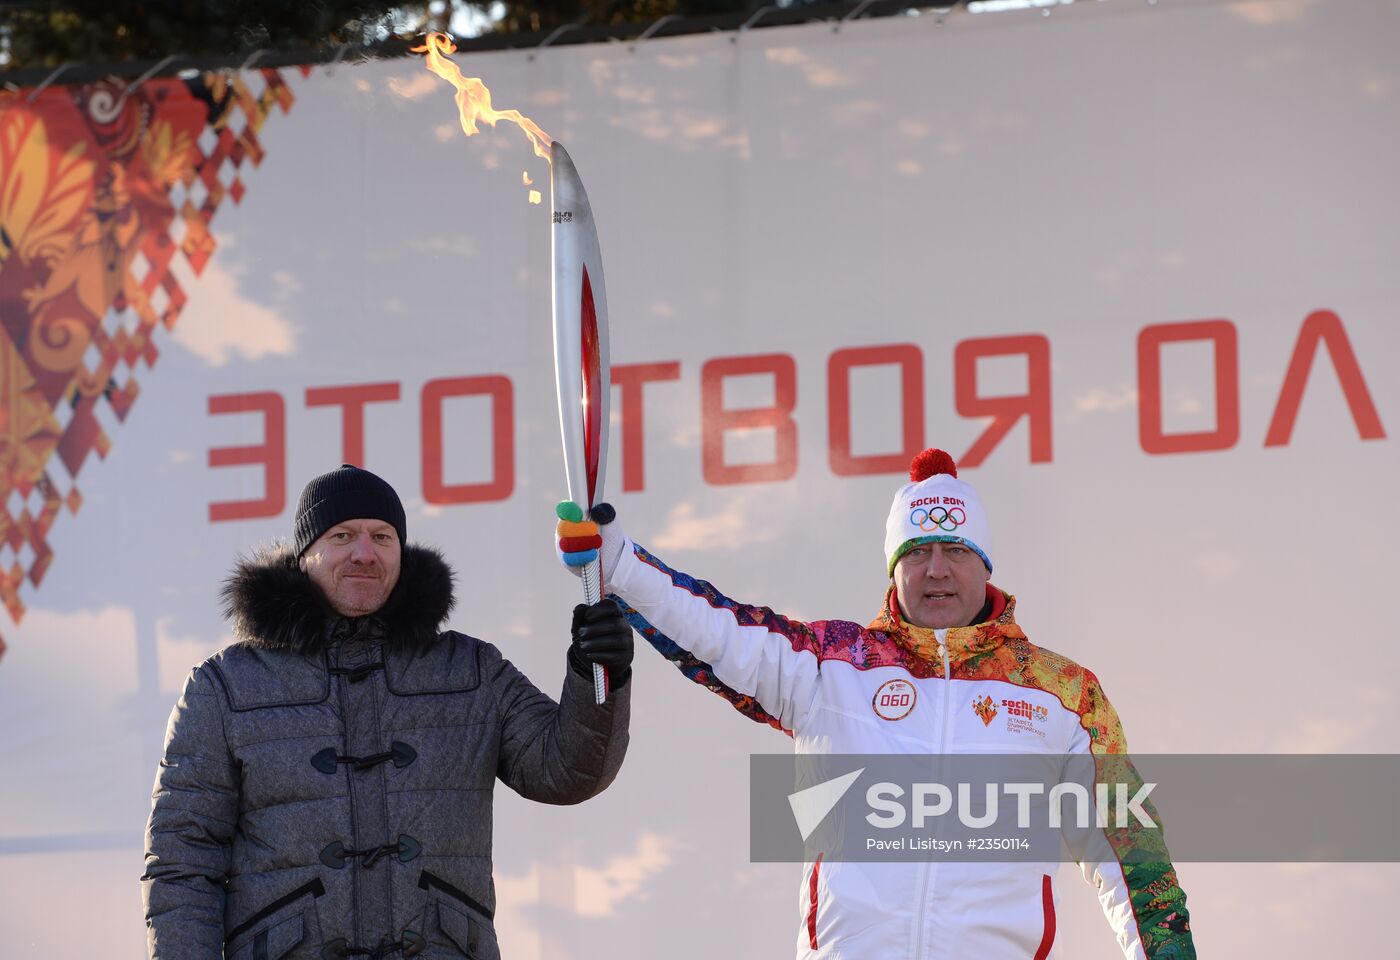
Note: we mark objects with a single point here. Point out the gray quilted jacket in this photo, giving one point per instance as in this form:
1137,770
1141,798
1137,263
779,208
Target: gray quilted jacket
326,785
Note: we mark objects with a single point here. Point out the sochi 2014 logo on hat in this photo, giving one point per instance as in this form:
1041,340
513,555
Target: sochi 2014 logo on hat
894,700
935,515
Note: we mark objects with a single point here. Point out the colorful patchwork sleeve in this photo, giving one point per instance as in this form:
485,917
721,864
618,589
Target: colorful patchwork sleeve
761,662
1134,877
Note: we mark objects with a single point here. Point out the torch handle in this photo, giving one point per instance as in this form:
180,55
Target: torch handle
592,593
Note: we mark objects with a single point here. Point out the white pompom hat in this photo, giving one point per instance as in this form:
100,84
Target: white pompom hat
936,507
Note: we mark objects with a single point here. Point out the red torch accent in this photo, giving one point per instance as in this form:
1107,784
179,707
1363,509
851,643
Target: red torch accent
592,420
592,400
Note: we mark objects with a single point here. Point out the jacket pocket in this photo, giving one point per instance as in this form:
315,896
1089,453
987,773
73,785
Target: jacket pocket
279,928
452,918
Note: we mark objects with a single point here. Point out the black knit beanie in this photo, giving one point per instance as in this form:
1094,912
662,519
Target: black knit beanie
345,494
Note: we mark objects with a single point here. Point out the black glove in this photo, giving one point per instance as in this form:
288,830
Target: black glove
603,636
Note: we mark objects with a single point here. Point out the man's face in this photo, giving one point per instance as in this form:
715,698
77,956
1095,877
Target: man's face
940,585
356,564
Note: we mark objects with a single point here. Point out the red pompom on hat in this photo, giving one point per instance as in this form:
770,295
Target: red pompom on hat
931,462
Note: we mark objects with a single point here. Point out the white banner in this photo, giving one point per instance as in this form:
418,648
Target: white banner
1131,264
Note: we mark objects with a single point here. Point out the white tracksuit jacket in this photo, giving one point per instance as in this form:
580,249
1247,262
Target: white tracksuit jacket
975,690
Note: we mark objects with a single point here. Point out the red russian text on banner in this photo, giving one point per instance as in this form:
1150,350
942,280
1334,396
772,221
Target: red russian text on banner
1033,405
352,399
1323,326
270,455
716,421
436,489
910,360
1151,435
631,378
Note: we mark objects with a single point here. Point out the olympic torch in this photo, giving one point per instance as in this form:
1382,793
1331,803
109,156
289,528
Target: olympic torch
580,354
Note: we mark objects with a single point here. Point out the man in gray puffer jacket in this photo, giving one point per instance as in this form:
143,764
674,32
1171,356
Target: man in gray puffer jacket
327,780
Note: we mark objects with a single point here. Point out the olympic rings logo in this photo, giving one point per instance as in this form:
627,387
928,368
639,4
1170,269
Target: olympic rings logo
938,518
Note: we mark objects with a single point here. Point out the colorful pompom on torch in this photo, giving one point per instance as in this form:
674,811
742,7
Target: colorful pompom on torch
929,463
578,537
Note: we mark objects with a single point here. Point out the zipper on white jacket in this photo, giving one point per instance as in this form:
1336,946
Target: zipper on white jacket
944,735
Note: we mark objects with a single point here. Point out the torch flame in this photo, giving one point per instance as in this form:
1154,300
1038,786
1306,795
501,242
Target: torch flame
473,99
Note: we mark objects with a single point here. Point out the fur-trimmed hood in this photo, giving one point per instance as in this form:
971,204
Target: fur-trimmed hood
274,605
